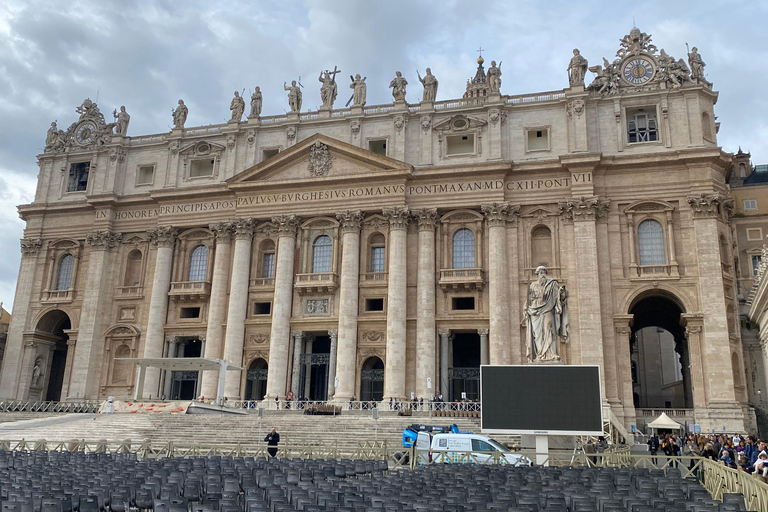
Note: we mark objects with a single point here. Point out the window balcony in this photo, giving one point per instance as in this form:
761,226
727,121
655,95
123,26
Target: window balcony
652,272
373,279
462,279
129,292
261,284
316,284
58,296
190,291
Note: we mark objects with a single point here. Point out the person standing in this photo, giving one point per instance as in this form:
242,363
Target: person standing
272,439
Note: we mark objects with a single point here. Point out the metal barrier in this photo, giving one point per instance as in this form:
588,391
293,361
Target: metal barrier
356,405
84,406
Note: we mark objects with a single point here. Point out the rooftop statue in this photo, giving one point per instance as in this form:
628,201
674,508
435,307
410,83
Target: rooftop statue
494,77
180,115
329,89
398,86
577,68
429,81
121,121
696,64
294,96
359,92
237,106
256,103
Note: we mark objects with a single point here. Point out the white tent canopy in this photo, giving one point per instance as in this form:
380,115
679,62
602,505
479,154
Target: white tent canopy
664,421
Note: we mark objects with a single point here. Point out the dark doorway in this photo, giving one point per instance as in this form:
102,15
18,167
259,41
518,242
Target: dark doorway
661,376
464,373
184,383
256,380
372,380
314,369
53,324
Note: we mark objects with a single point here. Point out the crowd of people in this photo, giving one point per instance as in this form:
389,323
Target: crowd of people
746,453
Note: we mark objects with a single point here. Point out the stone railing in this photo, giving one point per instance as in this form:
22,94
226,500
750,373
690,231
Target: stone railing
325,282
652,270
672,413
128,292
466,278
379,277
148,139
190,290
58,295
262,282
535,98
211,129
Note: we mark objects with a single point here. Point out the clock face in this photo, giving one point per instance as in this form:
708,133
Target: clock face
85,133
638,71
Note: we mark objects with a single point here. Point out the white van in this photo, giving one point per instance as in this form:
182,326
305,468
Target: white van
465,448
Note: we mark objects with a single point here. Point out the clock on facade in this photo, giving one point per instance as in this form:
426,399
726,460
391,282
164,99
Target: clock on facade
85,133
638,70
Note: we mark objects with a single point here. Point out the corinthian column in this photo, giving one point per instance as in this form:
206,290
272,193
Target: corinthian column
90,348
238,304
394,373
164,239
217,306
14,348
499,345
298,341
425,303
332,364
343,359
280,334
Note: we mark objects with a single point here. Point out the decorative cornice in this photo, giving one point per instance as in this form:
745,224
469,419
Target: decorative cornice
224,231
705,206
163,236
243,228
426,218
103,240
286,225
398,217
350,220
30,246
584,209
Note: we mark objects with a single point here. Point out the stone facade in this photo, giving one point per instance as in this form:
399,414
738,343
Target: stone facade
381,251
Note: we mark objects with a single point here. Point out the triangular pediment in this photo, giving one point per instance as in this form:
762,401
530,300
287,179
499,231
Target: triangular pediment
320,158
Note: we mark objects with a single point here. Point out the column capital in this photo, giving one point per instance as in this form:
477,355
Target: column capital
483,332
286,225
398,217
243,228
172,339
163,236
333,333
30,246
224,231
297,334
497,214
444,332
426,218
706,206
350,220
584,209
103,240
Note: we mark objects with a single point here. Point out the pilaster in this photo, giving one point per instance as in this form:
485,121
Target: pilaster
334,334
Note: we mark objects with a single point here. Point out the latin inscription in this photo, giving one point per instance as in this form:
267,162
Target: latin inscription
352,193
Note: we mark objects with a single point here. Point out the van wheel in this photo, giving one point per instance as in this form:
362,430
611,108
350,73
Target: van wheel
402,457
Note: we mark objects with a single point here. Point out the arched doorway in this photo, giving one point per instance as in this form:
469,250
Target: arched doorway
256,380
314,368
50,357
661,376
464,372
372,380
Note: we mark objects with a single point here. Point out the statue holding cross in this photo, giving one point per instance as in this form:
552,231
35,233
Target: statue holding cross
329,88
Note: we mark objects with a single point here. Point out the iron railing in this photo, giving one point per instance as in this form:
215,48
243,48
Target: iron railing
84,406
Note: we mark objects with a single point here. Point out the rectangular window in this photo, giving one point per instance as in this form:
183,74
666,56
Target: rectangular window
641,125
378,146
754,234
750,204
78,177
145,175
756,263
189,313
460,144
374,304
377,259
463,303
262,308
266,154
537,139
268,267
199,168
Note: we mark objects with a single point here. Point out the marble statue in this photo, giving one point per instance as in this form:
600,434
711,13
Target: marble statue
360,90
607,79
256,103
294,96
494,77
37,373
180,115
121,121
696,64
329,89
52,136
237,106
430,85
398,86
546,315
577,68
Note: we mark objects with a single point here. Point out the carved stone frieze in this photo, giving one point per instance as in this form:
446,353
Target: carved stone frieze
426,123
354,127
426,218
495,115
316,307
574,107
250,137
163,236
117,154
30,246
103,240
397,216
705,205
286,225
400,122
320,160
584,209
290,133
350,220
258,338
373,337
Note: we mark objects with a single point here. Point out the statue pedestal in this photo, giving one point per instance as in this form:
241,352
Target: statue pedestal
356,110
293,116
254,121
177,133
117,139
324,112
427,105
494,97
401,106
548,362
575,89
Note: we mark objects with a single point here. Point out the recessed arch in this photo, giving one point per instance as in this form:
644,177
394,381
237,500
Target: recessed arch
372,379
47,375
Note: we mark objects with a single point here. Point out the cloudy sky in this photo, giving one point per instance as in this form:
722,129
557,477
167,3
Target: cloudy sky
146,55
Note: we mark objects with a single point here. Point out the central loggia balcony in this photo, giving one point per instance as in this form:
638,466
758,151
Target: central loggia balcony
190,291
462,279
317,283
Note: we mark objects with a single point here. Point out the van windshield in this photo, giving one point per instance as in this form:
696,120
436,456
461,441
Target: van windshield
498,445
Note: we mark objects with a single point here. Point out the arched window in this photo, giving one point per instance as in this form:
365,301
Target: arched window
541,247
706,126
268,259
322,249
198,263
464,249
742,170
723,250
377,253
650,239
64,276
133,269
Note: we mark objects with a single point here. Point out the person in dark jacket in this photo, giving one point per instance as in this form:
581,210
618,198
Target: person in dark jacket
272,439
653,447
